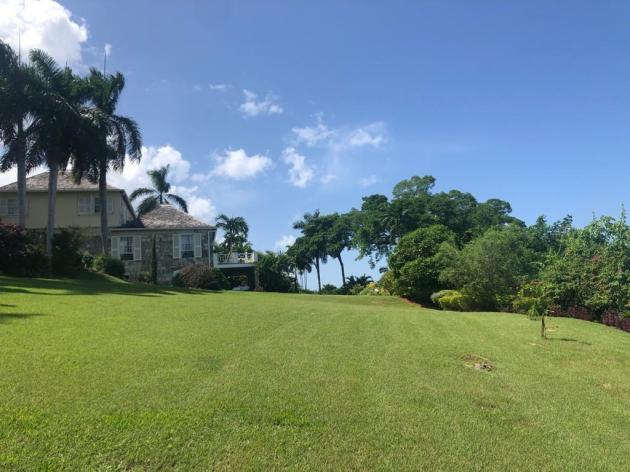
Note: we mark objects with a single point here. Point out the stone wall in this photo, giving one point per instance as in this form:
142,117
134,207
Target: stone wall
166,264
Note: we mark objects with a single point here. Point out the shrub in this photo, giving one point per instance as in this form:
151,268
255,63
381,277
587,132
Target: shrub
109,265
19,254
388,281
617,319
452,300
87,261
329,289
237,281
355,289
66,252
200,276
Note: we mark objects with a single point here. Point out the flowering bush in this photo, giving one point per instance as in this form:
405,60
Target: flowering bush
374,289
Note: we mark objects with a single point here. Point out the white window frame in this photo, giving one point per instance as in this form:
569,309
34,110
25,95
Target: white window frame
125,248
187,253
13,207
96,199
84,205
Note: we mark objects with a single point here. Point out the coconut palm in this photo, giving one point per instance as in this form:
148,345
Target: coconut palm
314,240
235,231
61,135
17,119
158,194
116,138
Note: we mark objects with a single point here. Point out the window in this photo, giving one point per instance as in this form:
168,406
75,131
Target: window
85,205
186,245
12,209
125,246
97,205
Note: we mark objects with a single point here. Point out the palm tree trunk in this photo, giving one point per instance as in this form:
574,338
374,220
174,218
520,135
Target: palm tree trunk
319,282
102,191
52,201
21,176
343,271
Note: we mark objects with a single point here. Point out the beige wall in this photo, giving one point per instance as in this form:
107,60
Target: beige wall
67,210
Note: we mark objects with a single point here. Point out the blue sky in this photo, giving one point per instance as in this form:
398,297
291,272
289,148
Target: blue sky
271,109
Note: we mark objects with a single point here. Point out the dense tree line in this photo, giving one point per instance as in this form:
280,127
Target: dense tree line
451,250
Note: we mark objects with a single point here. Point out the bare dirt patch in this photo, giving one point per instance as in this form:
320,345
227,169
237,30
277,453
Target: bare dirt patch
477,362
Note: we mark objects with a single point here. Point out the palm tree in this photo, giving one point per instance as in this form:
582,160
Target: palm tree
314,240
235,231
61,135
116,137
158,194
17,119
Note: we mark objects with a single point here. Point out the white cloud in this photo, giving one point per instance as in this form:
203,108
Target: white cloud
134,175
218,87
253,107
300,172
328,178
237,165
370,180
43,24
8,177
372,134
285,241
313,135
108,49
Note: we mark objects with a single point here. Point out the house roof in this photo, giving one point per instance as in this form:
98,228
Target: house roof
65,183
167,217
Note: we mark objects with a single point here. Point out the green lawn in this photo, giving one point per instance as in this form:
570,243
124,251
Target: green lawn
104,375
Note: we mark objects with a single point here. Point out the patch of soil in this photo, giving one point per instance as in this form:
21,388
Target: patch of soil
474,361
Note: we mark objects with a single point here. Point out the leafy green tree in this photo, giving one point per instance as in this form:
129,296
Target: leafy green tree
300,255
490,267
373,237
158,194
115,138
235,232
493,213
414,265
339,232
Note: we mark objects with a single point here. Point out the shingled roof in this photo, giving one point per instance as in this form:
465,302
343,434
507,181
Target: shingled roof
167,217
65,183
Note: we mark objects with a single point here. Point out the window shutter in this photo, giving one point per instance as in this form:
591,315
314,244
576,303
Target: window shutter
137,248
197,238
114,241
110,205
176,254
4,206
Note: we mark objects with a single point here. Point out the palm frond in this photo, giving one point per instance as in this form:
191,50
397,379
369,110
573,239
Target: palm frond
140,192
147,205
179,200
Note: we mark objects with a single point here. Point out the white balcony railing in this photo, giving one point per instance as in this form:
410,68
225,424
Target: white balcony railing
235,258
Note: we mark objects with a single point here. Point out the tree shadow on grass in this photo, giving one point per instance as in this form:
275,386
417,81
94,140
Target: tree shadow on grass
7,317
87,284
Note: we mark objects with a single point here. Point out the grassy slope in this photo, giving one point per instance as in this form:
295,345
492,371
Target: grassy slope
110,375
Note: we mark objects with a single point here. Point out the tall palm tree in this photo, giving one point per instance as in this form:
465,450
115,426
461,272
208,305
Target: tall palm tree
17,119
235,231
314,240
158,194
116,137
61,135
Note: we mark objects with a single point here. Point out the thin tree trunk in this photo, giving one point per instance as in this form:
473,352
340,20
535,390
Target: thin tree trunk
343,271
543,332
21,176
52,201
319,282
102,191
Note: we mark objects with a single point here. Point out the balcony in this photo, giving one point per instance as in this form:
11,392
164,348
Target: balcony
235,259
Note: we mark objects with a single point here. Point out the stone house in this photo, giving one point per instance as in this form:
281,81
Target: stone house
179,238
